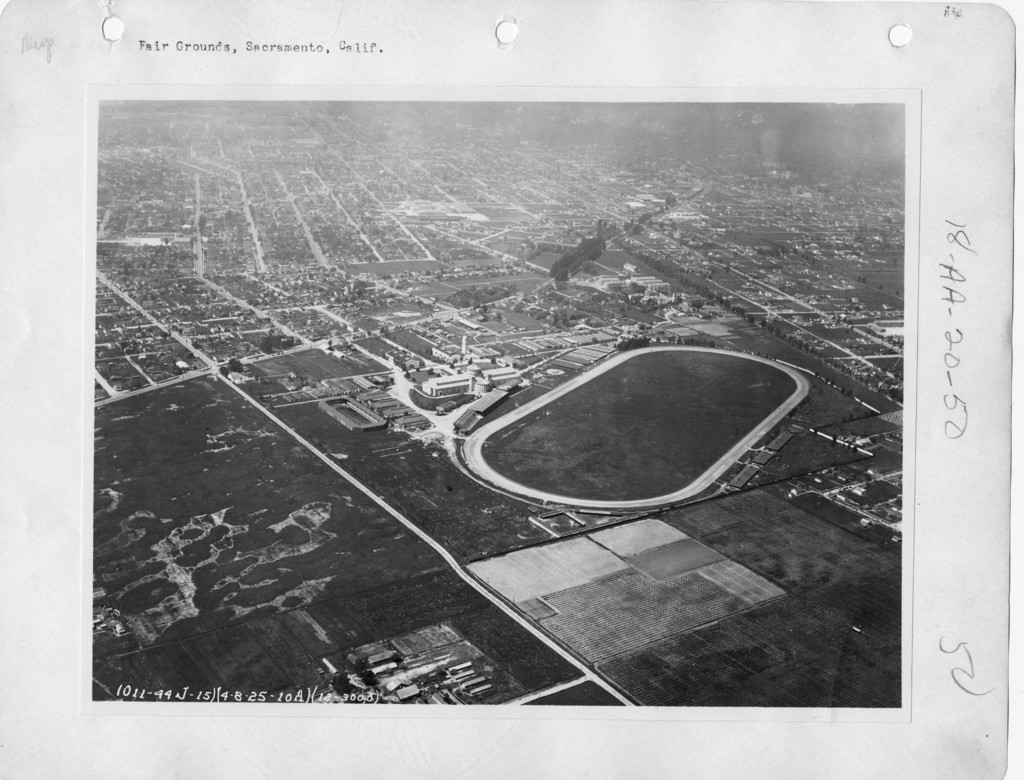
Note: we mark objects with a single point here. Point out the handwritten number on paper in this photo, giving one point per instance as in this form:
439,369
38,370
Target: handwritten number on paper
953,295
967,672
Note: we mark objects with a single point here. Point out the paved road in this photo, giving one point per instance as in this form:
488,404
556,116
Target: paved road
361,181
244,304
135,305
348,217
119,396
445,555
106,386
473,445
546,692
200,262
257,247
314,247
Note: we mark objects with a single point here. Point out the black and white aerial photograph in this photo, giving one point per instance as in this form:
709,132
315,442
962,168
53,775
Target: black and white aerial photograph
471,403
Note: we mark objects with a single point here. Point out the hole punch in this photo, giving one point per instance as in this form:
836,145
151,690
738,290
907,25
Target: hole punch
900,35
506,32
112,28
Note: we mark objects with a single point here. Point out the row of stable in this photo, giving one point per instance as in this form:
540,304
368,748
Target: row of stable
761,458
373,410
583,357
394,411
327,388
477,410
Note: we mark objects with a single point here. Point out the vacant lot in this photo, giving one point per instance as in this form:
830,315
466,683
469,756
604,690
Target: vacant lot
422,481
644,428
782,543
239,559
316,365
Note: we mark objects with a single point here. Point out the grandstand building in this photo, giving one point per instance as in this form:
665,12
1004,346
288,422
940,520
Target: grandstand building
448,385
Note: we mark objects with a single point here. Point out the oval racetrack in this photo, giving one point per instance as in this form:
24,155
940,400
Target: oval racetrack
657,430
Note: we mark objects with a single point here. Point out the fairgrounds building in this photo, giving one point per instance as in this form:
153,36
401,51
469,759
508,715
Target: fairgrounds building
353,415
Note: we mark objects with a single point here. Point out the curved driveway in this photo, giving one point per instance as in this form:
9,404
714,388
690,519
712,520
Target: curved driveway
471,448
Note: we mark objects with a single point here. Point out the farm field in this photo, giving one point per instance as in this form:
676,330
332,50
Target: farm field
633,538
644,428
603,604
538,571
794,651
241,577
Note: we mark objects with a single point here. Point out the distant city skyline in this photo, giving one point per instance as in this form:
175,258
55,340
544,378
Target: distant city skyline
803,137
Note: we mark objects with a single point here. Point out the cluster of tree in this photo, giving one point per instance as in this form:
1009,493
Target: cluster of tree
635,226
633,342
693,341
773,250
274,342
480,295
570,262
670,270
234,365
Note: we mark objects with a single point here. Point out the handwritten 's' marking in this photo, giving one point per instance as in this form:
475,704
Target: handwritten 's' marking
969,672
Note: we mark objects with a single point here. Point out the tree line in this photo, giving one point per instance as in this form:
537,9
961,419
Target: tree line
570,262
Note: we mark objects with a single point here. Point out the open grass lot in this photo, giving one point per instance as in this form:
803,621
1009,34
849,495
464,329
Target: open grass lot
824,405
283,652
421,481
205,512
254,559
415,344
545,259
586,694
375,346
644,428
782,543
531,663
316,365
